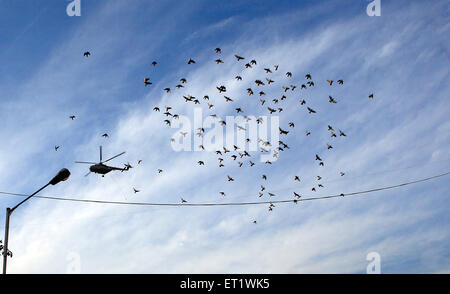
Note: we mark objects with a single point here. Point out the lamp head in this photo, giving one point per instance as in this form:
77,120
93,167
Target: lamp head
61,176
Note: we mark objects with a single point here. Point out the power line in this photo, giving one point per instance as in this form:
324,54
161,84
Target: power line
230,203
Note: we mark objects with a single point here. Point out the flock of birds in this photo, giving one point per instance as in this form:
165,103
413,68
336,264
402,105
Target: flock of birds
238,153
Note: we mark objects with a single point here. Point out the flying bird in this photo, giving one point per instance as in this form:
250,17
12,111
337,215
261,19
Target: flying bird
87,54
239,57
191,61
136,191
147,82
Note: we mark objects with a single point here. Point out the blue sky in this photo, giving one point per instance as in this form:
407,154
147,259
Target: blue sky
401,135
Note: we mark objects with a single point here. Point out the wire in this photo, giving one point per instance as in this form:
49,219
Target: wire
231,203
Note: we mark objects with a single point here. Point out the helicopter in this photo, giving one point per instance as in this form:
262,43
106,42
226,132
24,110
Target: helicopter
101,168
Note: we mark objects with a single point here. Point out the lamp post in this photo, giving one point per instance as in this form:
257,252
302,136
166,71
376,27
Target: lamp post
61,176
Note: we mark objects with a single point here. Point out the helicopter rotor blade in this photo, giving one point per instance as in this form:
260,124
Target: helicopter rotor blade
87,174
114,156
86,162
100,153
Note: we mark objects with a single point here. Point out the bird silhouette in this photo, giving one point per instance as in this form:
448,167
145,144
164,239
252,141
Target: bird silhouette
87,54
147,82
136,191
239,57
259,83
72,117
191,61
218,50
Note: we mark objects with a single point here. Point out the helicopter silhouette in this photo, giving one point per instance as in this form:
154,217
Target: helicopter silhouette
101,168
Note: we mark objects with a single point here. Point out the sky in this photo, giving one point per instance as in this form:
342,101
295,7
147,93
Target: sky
400,135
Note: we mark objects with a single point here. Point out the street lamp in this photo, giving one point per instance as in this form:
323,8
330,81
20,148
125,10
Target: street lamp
61,176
